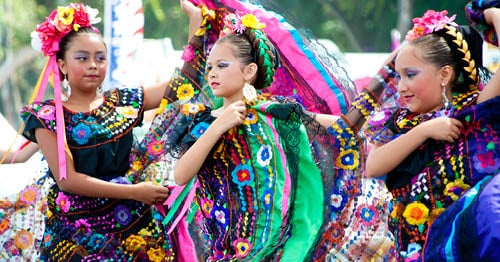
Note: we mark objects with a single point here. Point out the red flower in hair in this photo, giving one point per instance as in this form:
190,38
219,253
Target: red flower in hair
59,23
430,22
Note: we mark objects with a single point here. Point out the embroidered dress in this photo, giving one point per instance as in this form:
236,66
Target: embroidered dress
435,175
81,228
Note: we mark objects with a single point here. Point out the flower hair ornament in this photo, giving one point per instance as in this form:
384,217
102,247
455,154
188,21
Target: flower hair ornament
46,38
432,21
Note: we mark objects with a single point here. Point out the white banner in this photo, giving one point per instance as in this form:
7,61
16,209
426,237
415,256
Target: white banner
124,34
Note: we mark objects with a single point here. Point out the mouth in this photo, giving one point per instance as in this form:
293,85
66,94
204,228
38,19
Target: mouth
214,84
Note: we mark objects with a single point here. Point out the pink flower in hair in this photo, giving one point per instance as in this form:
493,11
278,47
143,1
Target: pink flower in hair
430,22
59,23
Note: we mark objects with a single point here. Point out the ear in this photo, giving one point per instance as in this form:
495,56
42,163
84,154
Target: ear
250,71
446,74
62,66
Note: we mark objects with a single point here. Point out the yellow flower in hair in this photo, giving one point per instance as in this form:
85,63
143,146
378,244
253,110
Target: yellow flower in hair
250,21
65,15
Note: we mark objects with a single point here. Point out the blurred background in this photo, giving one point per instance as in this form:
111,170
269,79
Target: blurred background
362,32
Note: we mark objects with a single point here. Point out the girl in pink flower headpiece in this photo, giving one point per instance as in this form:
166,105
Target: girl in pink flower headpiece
443,141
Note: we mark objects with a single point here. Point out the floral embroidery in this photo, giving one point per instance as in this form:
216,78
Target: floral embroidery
486,160
264,155
156,148
191,108
81,133
83,224
123,215
29,195
23,239
455,189
199,129
338,200
206,206
134,243
416,213
348,159
162,106
63,202
156,254
368,214
4,225
188,54
47,112
220,214
243,175
267,198
185,92
242,246
251,118
127,111
97,241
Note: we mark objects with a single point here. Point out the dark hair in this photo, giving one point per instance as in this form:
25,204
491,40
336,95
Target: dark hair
459,48
254,46
68,39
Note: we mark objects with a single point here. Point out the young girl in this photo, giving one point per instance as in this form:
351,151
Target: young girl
94,211
441,142
272,180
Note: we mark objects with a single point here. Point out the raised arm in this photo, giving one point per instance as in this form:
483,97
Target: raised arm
492,89
86,185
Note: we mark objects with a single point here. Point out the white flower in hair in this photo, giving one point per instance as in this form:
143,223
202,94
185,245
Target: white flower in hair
36,42
249,92
92,12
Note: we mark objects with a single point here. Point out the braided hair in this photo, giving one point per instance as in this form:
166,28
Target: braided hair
460,48
253,46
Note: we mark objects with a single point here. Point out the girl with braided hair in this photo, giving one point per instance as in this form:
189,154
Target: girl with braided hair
444,139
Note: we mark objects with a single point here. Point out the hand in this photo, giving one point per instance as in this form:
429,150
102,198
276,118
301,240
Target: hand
190,9
233,115
441,128
150,193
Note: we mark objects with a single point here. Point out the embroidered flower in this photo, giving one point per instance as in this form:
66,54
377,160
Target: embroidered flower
189,53
430,22
206,206
162,106
455,189
59,23
47,112
134,243
368,214
4,225
243,175
220,214
487,160
11,248
264,155
199,129
191,108
242,247
185,91
416,213
83,224
335,232
156,254
156,148
338,201
137,165
251,118
123,215
63,202
348,159
23,239
47,239
81,133
267,198
127,111
29,195
97,241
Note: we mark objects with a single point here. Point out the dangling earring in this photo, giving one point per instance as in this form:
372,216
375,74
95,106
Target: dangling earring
98,91
66,89
249,92
446,101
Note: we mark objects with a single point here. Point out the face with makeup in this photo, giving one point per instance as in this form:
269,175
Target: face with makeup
84,62
419,81
226,73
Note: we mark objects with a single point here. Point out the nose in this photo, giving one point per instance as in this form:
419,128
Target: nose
92,63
